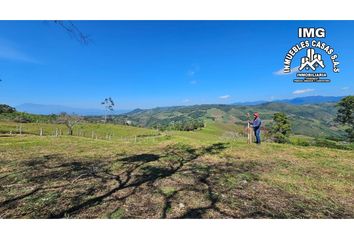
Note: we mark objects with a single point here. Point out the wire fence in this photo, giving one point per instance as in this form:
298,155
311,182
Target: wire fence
21,130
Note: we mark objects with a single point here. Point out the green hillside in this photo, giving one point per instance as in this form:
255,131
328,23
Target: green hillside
316,120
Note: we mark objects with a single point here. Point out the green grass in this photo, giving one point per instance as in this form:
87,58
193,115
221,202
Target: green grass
200,174
213,132
168,191
101,129
320,142
88,130
117,214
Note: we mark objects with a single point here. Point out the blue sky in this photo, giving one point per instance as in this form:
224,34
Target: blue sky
144,64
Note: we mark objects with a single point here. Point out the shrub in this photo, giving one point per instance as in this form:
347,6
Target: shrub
280,138
281,129
301,142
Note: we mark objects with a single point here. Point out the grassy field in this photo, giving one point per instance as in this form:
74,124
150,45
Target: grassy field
143,173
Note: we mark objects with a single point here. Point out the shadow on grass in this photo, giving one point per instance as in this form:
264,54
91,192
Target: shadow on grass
56,172
224,189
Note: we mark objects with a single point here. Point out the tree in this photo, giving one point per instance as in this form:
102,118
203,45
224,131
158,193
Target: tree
69,120
281,128
6,109
73,31
109,107
345,115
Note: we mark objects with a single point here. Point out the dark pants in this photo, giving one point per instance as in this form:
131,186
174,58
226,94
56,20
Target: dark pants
257,133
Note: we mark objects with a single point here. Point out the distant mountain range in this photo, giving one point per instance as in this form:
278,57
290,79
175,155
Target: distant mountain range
57,109
296,101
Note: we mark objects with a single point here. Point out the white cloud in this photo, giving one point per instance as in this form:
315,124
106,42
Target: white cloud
9,52
225,97
281,72
186,100
302,91
193,82
345,88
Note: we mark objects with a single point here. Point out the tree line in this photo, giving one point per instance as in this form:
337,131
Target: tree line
190,125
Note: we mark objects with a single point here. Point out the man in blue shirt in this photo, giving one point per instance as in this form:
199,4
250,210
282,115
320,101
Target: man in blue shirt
256,124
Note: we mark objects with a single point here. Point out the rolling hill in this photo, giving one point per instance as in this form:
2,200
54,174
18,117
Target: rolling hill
316,120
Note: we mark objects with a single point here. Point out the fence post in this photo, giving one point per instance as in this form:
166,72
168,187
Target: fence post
92,134
41,132
56,132
135,139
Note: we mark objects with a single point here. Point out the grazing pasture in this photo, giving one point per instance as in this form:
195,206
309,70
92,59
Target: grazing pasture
144,173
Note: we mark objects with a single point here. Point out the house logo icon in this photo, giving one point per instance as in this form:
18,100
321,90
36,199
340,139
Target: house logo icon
311,61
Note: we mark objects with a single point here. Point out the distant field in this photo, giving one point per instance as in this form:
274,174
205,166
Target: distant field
143,173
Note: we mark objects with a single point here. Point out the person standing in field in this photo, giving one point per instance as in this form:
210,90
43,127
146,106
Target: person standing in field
256,124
